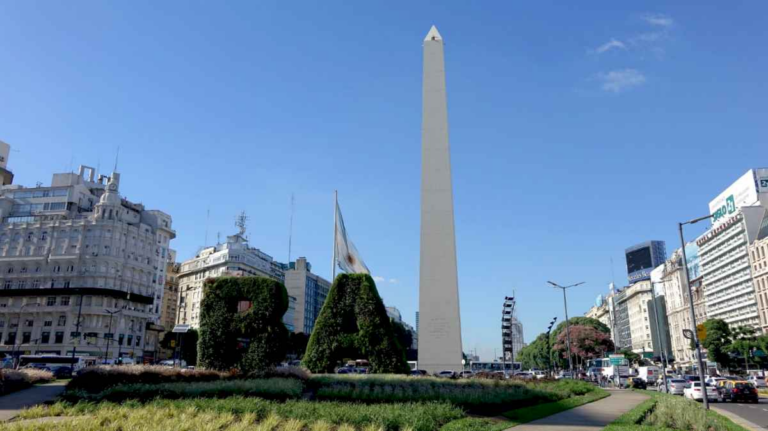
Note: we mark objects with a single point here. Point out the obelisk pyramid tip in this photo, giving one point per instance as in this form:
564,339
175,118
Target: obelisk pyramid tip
433,34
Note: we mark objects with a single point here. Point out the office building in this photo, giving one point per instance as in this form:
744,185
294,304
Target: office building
234,258
738,213
310,291
643,258
759,261
77,248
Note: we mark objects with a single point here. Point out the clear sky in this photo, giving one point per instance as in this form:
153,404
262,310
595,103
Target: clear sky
577,130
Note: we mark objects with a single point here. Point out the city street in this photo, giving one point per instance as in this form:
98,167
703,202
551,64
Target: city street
755,413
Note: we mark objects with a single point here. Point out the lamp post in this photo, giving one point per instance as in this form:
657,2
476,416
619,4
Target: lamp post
690,302
77,330
109,340
567,325
16,335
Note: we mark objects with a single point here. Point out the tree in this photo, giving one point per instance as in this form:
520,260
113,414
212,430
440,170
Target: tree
587,342
536,355
743,341
716,341
632,357
297,344
241,324
187,342
353,324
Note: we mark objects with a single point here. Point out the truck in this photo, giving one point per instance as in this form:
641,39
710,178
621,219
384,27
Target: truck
649,374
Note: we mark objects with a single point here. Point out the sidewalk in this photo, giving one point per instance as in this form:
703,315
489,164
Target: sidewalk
589,417
12,404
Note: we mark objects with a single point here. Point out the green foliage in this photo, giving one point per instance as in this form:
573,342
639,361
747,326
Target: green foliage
238,413
632,357
537,354
98,378
477,424
561,359
717,341
354,324
223,329
186,341
297,344
681,414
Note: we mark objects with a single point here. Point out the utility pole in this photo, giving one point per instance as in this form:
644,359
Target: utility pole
79,317
567,325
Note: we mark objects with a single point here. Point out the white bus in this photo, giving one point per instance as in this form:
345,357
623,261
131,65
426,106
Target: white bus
507,367
78,363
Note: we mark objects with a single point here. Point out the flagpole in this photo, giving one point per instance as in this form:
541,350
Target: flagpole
335,224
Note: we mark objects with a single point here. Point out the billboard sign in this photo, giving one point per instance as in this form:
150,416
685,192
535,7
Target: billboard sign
741,193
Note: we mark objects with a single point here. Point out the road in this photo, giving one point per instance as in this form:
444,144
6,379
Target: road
755,413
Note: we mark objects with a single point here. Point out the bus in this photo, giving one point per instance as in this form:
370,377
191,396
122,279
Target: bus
77,363
507,367
602,366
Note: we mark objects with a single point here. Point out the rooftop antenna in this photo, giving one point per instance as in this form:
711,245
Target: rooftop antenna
218,237
290,231
241,221
117,157
613,277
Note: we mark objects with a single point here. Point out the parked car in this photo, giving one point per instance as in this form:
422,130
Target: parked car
638,383
419,373
692,378
448,374
757,381
466,374
524,375
735,391
564,375
676,386
539,374
345,370
694,391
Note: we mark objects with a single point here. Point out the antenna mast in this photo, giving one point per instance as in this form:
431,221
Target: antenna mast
290,231
241,222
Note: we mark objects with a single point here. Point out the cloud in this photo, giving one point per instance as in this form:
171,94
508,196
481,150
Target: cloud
617,81
648,38
611,44
378,279
659,20
394,280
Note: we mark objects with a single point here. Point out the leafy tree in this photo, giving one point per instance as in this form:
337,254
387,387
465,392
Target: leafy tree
717,341
403,336
187,342
561,360
354,324
297,344
632,357
241,323
587,342
743,342
536,354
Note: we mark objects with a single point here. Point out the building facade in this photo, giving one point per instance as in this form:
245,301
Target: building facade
82,268
643,258
637,297
234,258
758,253
621,321
310,291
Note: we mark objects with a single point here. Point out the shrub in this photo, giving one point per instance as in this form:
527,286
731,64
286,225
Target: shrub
16,380
223,329
274,388
353,323
284,372
98,378
680,413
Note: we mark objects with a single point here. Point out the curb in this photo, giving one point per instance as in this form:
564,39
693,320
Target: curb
739,420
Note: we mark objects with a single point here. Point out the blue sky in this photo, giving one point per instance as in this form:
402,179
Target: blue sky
576,130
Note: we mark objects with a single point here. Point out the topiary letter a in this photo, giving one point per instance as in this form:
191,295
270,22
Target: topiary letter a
241,324
354,324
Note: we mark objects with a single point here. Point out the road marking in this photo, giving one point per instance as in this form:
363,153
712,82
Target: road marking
765,410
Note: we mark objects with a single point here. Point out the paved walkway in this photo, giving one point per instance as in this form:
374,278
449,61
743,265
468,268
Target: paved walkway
12,404
589,417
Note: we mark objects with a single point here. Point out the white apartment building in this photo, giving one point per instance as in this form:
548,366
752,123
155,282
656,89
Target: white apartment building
232,258
637,297
310,291
75,249
758,252
678,308
724,249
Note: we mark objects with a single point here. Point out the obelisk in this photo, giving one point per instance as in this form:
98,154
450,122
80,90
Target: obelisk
439,320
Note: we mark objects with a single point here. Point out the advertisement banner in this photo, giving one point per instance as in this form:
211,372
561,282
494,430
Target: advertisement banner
741,193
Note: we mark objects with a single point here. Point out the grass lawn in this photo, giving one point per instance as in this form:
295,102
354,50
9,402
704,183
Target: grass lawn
666,412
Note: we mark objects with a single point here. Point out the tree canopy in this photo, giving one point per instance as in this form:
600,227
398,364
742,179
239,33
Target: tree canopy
587,342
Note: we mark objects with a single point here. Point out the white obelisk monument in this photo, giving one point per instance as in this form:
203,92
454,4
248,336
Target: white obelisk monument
439,320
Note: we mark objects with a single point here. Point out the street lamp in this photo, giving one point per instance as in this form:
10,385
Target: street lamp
567,326
112,336
549,347
16,335
690,301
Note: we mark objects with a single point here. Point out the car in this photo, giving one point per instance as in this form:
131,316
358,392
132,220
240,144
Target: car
447,374
344,370
539,374
714,379
419,373
564,375
524,375
638,383
692,378
694,392
735,391
466,374
757,381
675,386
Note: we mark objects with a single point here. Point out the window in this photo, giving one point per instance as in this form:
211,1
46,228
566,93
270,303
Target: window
2,323
62,321
45,338
59,337
53,283
66,283
21,284
51,301
120,339
23,270
130,340
71,268
29,323
65,300
44,235
48,323
7,284
37,269
57,268
35,284
10,270
138,341
26,337
88,301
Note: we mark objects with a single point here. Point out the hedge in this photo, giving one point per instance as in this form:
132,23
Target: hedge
353,323
250,341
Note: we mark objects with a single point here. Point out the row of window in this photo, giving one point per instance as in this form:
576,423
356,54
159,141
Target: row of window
91,337
24,194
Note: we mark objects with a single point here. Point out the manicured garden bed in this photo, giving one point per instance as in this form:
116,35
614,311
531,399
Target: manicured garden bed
12,381
671,413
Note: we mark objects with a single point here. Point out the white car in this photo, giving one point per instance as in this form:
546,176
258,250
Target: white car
694,391
758,381
713,380
676,386
539,374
